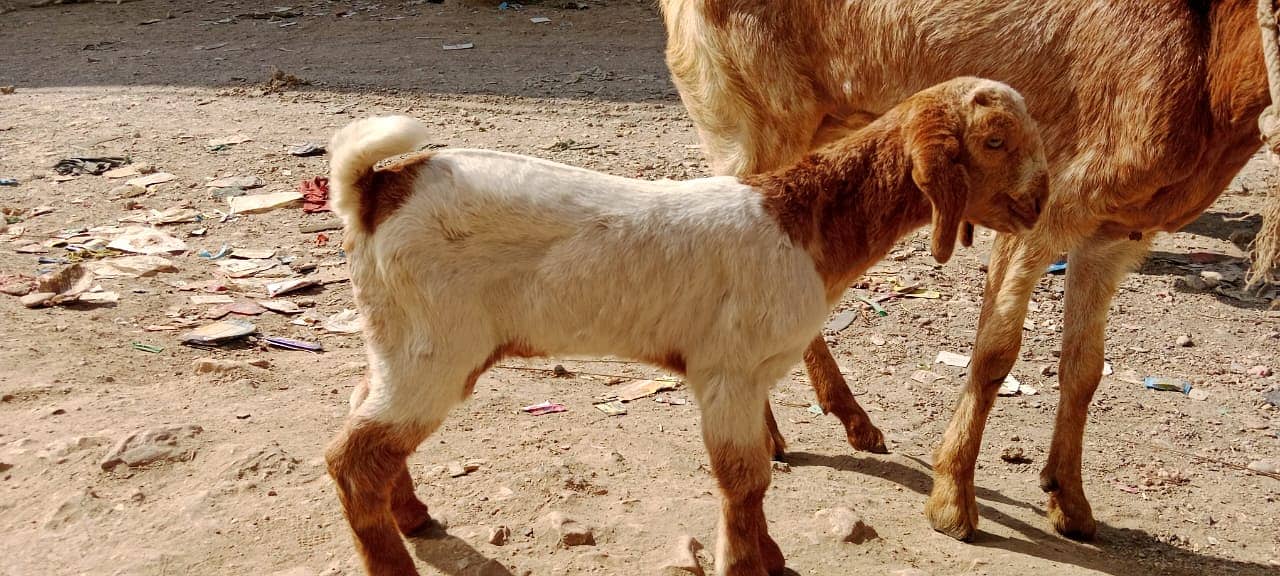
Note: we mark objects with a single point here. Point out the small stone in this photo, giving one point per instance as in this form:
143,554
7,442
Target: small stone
1198,394
570,532
166,444
1185,341
845,525
684,558
498,535
1260,371
1211,279
127,191
37,299
878,341
1014,455
458,469
1265,466
215,366
781,467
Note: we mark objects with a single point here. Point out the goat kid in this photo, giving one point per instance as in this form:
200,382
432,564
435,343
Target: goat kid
462,257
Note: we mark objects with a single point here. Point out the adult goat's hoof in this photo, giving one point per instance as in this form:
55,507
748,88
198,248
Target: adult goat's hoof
1075,520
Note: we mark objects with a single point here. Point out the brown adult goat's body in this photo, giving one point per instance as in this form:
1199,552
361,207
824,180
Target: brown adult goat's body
1148,108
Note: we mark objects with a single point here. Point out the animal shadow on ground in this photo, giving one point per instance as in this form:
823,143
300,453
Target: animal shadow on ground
1115,551
452,555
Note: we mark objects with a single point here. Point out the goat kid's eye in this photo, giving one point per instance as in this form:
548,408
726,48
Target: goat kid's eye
995,143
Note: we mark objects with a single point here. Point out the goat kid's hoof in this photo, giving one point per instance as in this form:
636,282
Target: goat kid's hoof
957,519
870,439
1077,526
412,519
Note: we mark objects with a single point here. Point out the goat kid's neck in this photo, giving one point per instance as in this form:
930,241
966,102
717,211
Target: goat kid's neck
846,204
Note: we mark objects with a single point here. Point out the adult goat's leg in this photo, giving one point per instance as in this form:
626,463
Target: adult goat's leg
1094,272
1017,263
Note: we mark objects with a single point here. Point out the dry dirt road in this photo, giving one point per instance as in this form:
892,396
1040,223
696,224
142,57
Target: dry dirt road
246,493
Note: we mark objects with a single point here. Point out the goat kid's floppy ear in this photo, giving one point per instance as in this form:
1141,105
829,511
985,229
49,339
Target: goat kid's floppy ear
945,183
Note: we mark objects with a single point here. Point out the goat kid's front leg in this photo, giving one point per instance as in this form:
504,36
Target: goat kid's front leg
1017,263
733,428
367,463
835,398
1095,272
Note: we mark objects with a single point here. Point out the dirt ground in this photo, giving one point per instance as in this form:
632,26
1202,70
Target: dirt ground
246,494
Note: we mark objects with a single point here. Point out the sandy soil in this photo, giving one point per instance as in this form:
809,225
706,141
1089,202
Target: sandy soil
247,493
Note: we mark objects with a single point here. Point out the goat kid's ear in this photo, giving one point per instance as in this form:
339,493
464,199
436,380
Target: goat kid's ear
945,182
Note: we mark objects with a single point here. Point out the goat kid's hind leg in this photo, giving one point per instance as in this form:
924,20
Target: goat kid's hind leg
410,513
733,428
1017,264
835,398
367,463
1095,272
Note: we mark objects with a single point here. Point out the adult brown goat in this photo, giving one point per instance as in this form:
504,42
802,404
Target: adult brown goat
1148,108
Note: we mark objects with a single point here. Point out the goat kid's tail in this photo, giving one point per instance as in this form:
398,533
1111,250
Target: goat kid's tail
354,151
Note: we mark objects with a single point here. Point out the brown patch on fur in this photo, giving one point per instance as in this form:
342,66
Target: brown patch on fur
384,190
367,463
835,398
743,475
671,361
508,350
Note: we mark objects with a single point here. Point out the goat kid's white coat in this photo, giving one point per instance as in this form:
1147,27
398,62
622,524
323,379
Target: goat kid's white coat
493,248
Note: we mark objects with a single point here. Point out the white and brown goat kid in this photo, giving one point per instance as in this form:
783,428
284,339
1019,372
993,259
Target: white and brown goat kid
462,257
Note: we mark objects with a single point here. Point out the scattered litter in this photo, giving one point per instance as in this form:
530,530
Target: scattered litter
460,469
8,181
151,180
539,19
306,149
253,253
245,308
1273,397
225,142
147,241
284,287
642,388
462,46
255,203
841,321
218,332
816,410
344,322
1259,371
880,311
925,376
315,194
1107,370
952,359
174,216
1012,387
131,267
1198,394
241,182
122,172
207,299
1058,267
222,252
614,408
1166,384
287,307
147,348
78,165
543,408
61,287
670,400
291,344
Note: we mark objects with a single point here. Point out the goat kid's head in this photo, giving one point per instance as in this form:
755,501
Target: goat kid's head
977,154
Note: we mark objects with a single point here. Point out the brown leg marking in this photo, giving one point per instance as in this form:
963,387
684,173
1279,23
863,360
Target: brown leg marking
835,398
778,444
743,476
366,460
410,513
